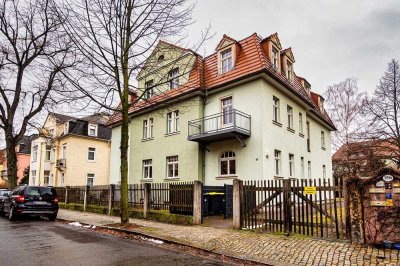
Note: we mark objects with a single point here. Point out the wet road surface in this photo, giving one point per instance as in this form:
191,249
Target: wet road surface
32,241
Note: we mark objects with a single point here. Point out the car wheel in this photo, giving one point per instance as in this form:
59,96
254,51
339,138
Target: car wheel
52,217
12,216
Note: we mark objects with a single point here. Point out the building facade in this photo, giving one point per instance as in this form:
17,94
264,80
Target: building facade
71,151
241,112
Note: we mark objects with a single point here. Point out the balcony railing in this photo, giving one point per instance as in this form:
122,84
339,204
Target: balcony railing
4,174
225,125
61,163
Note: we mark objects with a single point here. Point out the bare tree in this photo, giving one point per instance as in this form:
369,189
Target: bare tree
383,110
114,39
33,51
345,108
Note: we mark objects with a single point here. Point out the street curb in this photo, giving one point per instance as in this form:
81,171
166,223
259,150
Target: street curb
169,241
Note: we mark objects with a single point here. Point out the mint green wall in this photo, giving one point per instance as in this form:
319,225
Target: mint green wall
163,145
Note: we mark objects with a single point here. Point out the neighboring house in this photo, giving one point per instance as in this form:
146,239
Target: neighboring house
23,150
71,151
3,183
365,157
241,112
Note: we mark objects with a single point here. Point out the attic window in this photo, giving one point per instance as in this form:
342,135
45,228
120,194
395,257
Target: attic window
92,130
66,128
275,58
289,70
173,78
160,58
226,60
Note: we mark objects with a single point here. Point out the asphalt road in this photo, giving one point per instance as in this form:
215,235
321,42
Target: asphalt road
33,241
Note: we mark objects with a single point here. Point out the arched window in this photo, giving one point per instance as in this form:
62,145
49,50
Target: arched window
160,58
227,163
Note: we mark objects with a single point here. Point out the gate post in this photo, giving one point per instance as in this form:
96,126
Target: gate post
237,201
146,203
85,197
110,198
197,203
287,206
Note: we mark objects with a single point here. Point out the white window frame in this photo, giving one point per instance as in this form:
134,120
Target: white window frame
275,109
148,128
322,140
173,76
91,150
229,157
90,176
226,58
90,127
173,122
275,58
66,127
46,174
302,167
290,116
33,175
149,89
53,155
51,131
35,153
47,155
300,123
291,165
64,152
173,161
147,169
278,162
227,111
289,70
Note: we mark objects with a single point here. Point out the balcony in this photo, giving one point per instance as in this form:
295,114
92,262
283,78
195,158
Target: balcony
226,125
61,163
4,174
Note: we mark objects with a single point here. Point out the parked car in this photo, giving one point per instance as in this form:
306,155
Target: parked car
31,200
3,195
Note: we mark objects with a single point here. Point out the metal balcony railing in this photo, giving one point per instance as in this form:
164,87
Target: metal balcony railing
220,126
61,163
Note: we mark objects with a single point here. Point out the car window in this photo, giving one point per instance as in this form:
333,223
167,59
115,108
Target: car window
37,192
4,192
15,191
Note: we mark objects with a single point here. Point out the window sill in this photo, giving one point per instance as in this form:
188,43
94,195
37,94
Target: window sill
90,161
171,179
276,123
290,130
146,180
301,135
144,140
226,177
172,133
278,177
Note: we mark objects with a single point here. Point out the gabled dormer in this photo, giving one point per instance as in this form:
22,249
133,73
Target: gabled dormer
274,48
287,62
306,85
227,50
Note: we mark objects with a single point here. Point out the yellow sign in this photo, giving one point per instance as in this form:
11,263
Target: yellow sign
389,202
378,203
377,190
310,190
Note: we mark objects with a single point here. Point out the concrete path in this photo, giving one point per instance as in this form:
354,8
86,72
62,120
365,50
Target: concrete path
261,247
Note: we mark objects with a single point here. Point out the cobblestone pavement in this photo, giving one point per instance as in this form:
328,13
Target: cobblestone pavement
266,248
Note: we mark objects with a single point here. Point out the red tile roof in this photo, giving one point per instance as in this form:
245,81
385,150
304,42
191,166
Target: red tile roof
252,58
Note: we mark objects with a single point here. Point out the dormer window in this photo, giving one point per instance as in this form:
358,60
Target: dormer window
226,61
66,128
173,78
321,104
275,58
289,71
92,130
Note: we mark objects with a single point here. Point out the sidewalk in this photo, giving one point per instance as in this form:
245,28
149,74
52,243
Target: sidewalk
267,248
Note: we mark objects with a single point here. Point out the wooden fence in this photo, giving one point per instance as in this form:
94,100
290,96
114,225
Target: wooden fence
313,207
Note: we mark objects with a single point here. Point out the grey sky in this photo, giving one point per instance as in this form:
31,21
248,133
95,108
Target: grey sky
331,40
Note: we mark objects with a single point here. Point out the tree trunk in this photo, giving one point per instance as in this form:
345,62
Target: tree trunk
11,161
124,167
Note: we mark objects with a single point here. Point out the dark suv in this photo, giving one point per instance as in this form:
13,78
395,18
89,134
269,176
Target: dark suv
31,200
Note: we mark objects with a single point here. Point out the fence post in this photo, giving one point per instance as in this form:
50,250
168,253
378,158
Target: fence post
237,201
146,203
110,198
85,197
197,203
287,206
66,195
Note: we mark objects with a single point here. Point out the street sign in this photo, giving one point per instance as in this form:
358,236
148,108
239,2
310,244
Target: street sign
310,190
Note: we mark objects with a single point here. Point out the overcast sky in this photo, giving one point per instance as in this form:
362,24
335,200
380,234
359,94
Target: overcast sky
330,40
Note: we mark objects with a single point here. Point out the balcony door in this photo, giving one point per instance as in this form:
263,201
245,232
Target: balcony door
227,112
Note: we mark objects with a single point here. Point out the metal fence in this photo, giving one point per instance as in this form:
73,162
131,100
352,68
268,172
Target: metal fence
313,207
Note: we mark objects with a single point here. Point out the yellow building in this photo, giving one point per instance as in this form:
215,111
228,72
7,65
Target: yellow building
71,151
